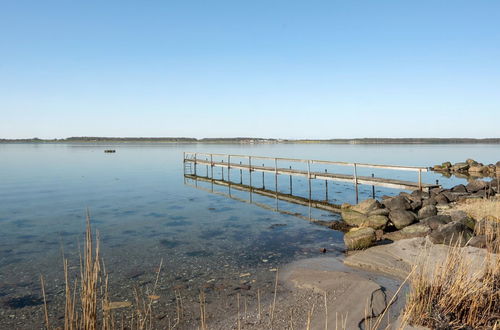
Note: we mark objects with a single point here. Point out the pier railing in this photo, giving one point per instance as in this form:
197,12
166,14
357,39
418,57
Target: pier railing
248,162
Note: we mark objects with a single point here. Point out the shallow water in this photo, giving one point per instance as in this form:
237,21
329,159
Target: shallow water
145,212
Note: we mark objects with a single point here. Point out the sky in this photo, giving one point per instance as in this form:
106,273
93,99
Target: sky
276,69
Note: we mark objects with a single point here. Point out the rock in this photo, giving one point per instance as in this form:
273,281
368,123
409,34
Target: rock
478,241
416,230
446,165
376,221
429,201
420,194
434,222
478,169
322,250
459,188
427,211
441,199
453,196
436,191
401,218
379,212
345,206
415,205
359,238
453,233
475,186
462,217
367,206
460,167
353,218
397,203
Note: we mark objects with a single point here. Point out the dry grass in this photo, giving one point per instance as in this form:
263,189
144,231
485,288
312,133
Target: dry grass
479,209
454,295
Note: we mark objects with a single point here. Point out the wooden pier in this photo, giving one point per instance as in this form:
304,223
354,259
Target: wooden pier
225,161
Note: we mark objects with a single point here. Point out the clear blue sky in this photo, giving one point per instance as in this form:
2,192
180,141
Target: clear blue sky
284,69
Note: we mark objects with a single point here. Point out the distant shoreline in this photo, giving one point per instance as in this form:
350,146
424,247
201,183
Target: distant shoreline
258,140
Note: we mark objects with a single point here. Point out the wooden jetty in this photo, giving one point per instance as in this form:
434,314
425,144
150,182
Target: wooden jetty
225,161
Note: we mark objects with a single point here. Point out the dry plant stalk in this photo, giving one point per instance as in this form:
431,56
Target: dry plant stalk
454,296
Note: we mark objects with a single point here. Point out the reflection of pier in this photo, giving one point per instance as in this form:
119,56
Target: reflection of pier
248,164
317,204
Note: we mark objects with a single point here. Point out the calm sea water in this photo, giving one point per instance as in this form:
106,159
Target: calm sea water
145,212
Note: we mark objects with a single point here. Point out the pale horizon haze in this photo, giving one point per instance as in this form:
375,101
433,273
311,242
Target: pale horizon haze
271,69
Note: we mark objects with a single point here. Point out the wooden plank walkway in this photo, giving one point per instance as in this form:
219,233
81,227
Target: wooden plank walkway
194,158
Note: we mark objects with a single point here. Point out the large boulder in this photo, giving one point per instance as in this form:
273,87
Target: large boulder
401,218
459,189
436,221
353,218
441,199
397,203
446,165
453,233
478,168
367,206
429,201
470,161
460,167
359,238
376,221
462,217
476,185
478,241
427,211
416,230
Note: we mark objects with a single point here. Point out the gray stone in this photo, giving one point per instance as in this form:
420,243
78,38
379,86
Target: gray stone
441,199
476,185
429,201
460,167
353,218
436,221
379,212
459,188
478,168
427,211
453,233
478,241
415,205
359,238
366,206
401,218
376,221
446,165
416,230
397,203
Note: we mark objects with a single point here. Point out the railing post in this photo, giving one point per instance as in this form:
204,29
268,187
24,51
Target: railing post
250,169
211,166
420,179
290,180
276,174
228,168
356,181
326,187
309,178
195,164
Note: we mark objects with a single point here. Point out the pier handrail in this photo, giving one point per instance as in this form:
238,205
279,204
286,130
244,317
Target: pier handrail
312,161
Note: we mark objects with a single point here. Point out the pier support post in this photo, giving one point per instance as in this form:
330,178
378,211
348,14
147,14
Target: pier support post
263,185
241,175
373,188
290,181
326,187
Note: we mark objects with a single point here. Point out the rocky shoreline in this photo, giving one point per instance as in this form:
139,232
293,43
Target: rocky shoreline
417,214
469,168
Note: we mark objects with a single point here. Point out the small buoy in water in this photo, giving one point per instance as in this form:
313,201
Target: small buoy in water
109,150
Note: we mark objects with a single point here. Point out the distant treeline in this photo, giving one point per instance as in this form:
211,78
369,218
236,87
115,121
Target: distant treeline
258,140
